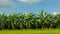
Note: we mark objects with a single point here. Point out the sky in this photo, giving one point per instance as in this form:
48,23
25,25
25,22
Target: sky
33,6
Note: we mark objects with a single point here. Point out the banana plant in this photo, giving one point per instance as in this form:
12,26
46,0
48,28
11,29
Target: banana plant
21,20
42,16
3,20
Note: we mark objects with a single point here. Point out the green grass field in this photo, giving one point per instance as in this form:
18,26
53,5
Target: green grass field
44,31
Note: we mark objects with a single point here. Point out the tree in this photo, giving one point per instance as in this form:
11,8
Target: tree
20,20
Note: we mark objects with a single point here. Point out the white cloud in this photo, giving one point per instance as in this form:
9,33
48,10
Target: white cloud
6,3
28,1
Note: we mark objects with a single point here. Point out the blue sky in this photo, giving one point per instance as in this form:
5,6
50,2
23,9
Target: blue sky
34,6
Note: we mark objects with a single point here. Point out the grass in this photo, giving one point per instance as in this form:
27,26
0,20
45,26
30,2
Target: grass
30,31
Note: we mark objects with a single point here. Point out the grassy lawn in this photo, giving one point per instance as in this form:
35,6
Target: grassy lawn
44,31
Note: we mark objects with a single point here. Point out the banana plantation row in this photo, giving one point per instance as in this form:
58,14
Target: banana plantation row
29,21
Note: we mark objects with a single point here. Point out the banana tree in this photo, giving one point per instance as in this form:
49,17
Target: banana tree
29,20
42,16
11,20
3,20
57,20
21,20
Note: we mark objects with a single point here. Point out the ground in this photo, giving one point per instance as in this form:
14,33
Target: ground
31,31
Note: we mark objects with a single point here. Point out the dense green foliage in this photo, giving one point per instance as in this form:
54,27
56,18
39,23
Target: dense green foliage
29,21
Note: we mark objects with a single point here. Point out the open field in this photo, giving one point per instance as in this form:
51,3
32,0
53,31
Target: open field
44,31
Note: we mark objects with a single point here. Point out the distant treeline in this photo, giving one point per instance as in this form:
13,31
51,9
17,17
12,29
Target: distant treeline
29,21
